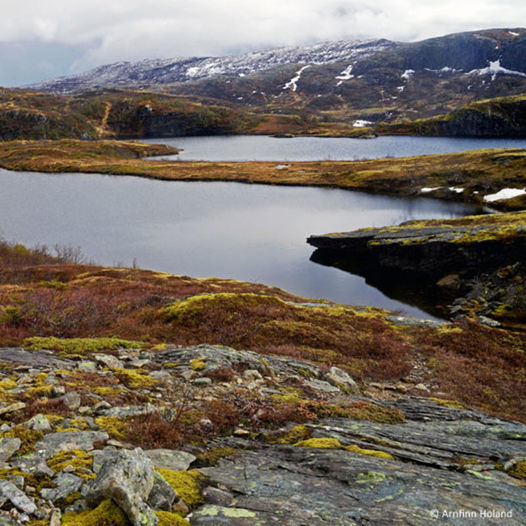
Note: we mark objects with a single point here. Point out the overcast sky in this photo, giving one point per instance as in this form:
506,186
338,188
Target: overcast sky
41,39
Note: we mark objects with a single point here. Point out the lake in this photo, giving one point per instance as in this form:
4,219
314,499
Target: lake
264,148
232,230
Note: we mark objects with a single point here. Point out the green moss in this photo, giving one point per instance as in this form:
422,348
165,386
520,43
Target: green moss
286,398
294,435
28,437
518,470
370,452
113,425
76,458
105,514
79,346
447,403
210,457
198,364
136,379
109,392
170,519
187,484
320,443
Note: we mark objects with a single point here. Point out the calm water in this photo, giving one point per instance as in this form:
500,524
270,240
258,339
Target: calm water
263,148
248,232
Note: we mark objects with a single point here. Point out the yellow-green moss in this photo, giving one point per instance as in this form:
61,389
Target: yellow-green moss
7,384
210,457
70,346
105,514
170,519
28,437
286,398
39,392
518,470
187,484
447,403
320,443
292,436
77,458
113,425
136,379
109,392
370,452
198,364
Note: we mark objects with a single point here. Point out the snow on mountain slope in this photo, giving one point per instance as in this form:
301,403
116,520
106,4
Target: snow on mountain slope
167,71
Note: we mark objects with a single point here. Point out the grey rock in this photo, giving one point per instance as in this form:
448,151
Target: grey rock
53,443
11,408
56,518
341,379
8,447
71,400
57,391
33,358
6,520
202,382
321,385
65,485
170,459
224,516
162,496
87,366
251,374
109,361
9,492
39,423
34,464
127,478
217,496
162,376
130,410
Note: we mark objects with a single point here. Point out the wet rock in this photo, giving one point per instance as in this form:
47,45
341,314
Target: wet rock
9,492
127,478
341,379
170,459
8,447
55,442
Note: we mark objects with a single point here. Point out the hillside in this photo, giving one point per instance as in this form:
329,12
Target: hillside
500,117
339,81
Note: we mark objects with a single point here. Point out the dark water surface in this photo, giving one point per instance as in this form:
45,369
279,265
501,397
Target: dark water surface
248,232
264,148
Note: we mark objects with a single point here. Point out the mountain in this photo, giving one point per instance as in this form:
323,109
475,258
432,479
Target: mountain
376,80
169,71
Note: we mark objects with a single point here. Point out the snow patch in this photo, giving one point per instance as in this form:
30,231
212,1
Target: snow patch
428,189
361,123
505,193
345,74
293,82
494,69
408,73
400,88
281,166
457,190
513,34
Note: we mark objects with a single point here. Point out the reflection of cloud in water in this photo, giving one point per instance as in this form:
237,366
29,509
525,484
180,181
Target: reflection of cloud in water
248,232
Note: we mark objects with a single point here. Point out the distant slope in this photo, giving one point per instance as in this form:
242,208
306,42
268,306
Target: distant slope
500,117
343,81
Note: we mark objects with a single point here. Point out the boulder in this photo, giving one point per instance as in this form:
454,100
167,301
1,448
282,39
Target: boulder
127,477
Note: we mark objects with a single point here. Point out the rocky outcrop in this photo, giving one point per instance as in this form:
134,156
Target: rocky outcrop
451,254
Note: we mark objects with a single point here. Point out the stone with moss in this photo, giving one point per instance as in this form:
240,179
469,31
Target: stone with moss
187,484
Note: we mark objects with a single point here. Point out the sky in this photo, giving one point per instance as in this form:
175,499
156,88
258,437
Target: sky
42,39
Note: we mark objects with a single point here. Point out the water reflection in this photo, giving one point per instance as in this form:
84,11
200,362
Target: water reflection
248,232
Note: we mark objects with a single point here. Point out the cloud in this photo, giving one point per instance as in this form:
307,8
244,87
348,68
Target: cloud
115,30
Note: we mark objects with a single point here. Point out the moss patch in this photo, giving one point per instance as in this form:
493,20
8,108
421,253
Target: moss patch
170,519
105,514
187,484
79,346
